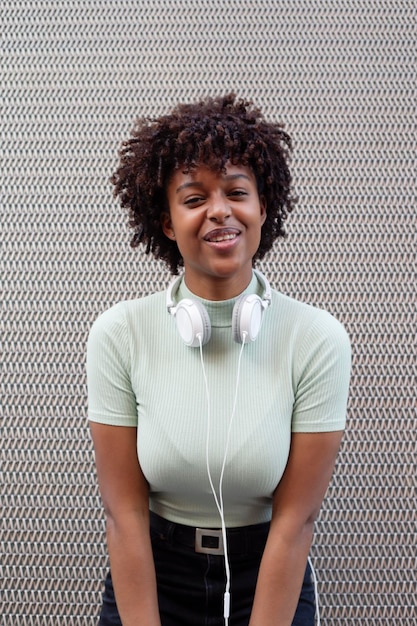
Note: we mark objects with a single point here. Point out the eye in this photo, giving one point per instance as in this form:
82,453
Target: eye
237,193
194,200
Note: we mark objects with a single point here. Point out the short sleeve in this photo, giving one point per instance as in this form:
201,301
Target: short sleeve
110,396
322,377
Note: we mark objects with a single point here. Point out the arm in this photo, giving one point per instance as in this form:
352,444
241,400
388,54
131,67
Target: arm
296,503
124,492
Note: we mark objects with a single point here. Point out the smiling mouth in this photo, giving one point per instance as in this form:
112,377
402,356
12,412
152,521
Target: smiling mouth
218,236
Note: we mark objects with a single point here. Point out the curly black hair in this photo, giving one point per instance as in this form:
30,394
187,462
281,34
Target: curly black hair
214,131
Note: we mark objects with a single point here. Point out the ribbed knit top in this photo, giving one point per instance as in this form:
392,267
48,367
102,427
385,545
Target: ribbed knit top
293,378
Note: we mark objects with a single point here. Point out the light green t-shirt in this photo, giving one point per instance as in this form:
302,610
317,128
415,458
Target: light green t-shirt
293,378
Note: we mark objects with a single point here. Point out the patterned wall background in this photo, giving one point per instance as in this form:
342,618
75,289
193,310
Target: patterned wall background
342,75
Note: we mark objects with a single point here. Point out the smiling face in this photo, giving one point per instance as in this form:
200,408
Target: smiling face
216,220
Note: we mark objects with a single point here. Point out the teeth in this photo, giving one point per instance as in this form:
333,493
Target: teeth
223,237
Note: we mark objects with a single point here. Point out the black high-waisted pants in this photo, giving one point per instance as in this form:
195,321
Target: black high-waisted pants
191,585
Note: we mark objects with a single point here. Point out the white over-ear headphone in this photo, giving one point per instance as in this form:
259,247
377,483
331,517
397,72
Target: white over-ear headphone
193,321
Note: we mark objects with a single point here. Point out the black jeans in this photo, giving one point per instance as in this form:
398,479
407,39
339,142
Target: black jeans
191,585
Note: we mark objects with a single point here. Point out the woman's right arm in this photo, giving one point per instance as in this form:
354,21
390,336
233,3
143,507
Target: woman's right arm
124,492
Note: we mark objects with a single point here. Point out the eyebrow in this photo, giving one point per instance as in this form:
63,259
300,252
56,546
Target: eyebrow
195,183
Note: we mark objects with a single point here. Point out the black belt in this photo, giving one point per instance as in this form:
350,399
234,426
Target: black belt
241,540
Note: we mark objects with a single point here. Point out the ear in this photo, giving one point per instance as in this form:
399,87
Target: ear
262,204
167,227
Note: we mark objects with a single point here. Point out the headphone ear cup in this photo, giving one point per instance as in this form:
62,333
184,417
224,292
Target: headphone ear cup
247,318
193,322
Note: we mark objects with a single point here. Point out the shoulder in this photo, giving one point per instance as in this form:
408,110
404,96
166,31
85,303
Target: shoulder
119,317
308,332
116,329
318,348
305,319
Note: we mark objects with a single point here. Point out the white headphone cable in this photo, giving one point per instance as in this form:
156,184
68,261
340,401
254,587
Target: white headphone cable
219,499
230,426
316,592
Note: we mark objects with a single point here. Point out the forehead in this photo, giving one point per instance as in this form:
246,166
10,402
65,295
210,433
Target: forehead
202,175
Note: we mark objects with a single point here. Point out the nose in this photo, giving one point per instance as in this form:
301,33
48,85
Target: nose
219,208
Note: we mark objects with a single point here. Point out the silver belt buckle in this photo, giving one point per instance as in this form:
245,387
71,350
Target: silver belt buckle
201,534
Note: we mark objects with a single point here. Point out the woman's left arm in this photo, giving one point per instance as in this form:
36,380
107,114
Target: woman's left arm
296,503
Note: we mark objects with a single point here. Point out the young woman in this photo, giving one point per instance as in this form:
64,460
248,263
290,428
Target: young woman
217,407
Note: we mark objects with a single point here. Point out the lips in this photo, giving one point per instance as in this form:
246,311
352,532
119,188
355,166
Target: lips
221,234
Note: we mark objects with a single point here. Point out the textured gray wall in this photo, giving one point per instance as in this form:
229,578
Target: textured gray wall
342,75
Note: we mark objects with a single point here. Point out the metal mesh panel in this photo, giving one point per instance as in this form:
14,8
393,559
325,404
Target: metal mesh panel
342,75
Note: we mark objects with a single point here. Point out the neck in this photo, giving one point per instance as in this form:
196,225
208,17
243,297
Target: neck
219,288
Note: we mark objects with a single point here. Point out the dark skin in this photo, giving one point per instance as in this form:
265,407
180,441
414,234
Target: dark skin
296,503
124,492
216,220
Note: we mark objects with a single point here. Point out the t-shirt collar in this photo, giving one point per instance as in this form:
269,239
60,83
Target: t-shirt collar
219,311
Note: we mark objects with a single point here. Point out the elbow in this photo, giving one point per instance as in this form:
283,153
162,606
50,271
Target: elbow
122,520
311,517
111,520
110,512
294,528
308,527
310,520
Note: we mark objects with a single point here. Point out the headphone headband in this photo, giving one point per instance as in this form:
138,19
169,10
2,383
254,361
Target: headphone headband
174,286
193,322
